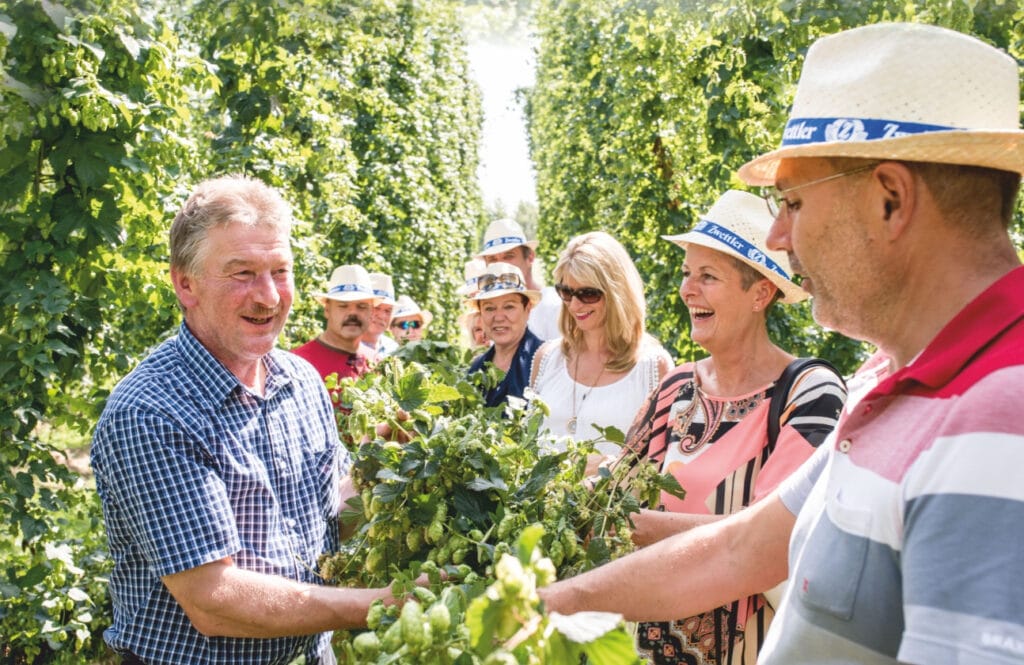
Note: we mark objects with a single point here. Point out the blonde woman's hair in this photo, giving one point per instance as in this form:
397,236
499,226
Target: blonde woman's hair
598,260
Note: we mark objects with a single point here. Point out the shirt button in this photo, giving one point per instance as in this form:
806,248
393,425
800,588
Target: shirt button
845,445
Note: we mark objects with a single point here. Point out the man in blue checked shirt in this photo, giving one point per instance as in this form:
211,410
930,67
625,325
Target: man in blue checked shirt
218,462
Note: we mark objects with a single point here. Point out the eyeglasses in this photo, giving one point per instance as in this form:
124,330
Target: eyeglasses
587,295
406,325
508,280
776,198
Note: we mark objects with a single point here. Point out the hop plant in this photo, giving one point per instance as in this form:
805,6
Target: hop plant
504,622
471,501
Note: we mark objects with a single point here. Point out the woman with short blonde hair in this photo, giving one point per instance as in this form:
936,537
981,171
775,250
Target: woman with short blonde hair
729,427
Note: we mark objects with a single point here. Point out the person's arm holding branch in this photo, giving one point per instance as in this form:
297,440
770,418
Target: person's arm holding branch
688,573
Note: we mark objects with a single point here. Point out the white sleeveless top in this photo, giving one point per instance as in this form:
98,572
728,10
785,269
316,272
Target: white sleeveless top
613,405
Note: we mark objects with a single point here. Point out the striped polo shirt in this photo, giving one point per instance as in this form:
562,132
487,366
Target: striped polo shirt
909,540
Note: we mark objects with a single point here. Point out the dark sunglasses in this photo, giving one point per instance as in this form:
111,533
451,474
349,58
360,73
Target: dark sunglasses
507,280
406,325
587,295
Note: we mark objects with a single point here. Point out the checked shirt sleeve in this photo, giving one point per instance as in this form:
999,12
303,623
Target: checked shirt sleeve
172,502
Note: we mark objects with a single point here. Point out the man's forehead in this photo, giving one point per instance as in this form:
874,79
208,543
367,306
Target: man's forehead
793,168
245,256
516,251
227,237
232,230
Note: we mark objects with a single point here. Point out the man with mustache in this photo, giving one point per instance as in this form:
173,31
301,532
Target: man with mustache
217,459
348,303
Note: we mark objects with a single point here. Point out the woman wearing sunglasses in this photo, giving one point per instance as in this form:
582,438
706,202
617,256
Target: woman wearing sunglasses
708,423
605,364
504,304
409,322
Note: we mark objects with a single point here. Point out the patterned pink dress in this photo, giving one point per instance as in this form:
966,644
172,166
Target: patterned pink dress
717,448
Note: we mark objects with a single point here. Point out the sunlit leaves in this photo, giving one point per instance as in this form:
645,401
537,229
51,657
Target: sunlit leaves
360,112
82,99
642,112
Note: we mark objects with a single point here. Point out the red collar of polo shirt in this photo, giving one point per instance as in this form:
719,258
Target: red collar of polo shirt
980,323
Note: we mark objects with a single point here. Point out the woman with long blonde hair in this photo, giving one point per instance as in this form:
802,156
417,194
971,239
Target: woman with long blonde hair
604,366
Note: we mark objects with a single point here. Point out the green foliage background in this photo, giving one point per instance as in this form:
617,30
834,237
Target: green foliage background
362,112
642,112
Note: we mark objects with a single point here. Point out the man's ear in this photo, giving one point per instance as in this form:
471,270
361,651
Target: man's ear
184,288
895,196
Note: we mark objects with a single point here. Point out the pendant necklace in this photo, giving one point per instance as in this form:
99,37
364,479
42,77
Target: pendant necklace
576,408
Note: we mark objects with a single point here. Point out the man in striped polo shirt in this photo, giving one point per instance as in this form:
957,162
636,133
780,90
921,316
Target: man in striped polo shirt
893,192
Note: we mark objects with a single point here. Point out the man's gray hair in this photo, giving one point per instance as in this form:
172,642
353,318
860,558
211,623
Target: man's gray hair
224,200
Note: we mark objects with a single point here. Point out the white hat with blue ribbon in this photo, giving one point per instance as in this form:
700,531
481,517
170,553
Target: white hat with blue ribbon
737,225
406,307
502,235
474,268
383,288
502,279
349,283
902,91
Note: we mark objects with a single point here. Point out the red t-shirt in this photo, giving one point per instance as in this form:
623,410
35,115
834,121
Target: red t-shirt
329,360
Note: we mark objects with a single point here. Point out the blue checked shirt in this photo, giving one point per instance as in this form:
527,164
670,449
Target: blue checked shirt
191,467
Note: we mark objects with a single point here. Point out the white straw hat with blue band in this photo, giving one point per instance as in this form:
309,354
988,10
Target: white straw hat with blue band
502,279
406,306
474,268
349,283
502,235
737,225
383,288
902,91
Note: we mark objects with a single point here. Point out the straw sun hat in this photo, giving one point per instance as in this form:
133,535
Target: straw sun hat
383,288
502,235
902,91
474,268
407,307
349,283
501,279
737,225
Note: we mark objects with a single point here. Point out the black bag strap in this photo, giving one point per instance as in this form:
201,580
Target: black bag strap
780,395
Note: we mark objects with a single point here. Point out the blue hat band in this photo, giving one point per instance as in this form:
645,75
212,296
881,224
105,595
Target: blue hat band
383,294
805,131
740,244
350,288
504,240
